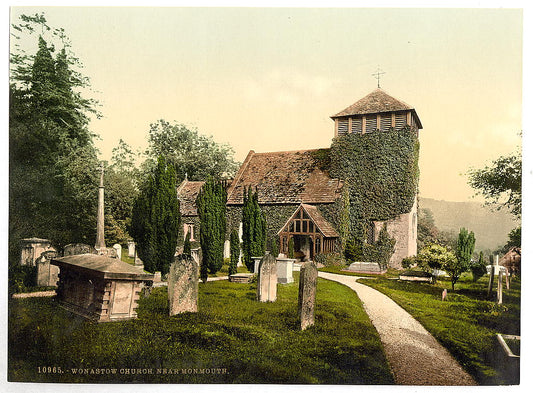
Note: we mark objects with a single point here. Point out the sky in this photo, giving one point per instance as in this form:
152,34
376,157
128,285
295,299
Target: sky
269,79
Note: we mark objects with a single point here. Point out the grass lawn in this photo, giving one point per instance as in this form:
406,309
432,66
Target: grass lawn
234,337
466,323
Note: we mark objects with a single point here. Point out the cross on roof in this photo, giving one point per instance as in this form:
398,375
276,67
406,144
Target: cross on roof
378,74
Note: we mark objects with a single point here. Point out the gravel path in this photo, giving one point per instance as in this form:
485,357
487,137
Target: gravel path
415,356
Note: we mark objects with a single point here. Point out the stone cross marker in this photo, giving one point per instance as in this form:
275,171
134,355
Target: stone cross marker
183,285
307,295
500,287
267,279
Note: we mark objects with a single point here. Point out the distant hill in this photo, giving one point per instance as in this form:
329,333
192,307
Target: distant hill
490,227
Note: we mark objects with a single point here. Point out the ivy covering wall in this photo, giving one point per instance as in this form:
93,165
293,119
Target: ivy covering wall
380,171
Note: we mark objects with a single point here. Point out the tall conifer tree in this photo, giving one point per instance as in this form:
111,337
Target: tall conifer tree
253,228
156,219
211,203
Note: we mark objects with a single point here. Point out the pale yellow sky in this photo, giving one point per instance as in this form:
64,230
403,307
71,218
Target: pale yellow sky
268,79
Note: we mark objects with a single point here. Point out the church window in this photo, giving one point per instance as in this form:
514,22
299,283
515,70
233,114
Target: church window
311,227
188,228
291,226
297,226
304,226
317,245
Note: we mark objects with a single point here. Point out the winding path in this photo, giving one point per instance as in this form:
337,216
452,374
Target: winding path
415,356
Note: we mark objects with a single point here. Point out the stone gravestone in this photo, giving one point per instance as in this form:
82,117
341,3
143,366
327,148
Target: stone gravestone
257,261
47,274
131,249
183,285
285,266
77,249
307,295
267,279
118,249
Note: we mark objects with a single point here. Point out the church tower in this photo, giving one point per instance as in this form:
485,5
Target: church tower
379,111
376,111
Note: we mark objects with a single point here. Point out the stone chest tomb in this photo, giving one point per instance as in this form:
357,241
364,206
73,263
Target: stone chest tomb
99,288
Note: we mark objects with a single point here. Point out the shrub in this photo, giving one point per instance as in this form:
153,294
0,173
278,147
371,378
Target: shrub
409,262
21,277
290,252
330,259
478,268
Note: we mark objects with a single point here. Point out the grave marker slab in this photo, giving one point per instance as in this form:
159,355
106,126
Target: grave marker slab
307,295
267,279
183,285
285,267
118,249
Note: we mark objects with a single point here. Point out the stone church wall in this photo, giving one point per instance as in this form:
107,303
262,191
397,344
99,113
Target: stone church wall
404,230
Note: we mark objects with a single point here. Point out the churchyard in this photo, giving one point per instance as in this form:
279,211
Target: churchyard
233,338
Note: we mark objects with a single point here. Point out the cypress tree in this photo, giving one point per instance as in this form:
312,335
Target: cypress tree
156,219
290,252
253,228
211,203
235,251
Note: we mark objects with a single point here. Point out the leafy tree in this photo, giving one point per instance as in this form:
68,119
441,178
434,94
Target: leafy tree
500,183
121,189
187,244
156,219
515,240
466,242
211,203
478,268
52,158
384,248
253,229
191,153
434,257
235,251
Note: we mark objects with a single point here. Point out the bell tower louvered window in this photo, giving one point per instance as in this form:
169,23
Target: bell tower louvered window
357,125
385,122
342,127
371,123
400,120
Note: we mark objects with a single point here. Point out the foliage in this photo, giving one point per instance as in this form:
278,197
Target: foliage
254,228
379,252
273,246
156,219
235,252
515,240
409,262
466,324
255,342
192,154
21,278
500,183
478,268
466,243
187,244
290,248
380,170
330,259
435,257
211,203
52,158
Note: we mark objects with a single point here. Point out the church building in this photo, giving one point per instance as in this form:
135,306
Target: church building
299,196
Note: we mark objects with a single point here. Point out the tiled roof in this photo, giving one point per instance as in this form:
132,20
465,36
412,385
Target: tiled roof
324,226
321,223
284,177
187,193
378,101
